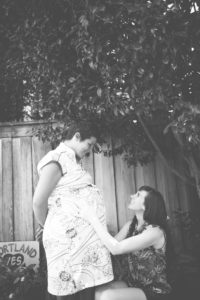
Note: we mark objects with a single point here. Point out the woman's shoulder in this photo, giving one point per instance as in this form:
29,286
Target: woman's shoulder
65,151
56,153
60,155
158,234
154,229
153,232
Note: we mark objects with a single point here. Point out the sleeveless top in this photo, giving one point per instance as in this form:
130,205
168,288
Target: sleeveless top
146,268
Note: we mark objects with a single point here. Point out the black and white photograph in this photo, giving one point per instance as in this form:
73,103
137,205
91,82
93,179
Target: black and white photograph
99,149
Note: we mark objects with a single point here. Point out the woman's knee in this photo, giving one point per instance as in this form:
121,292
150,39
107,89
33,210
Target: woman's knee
68,297
104,295
105,291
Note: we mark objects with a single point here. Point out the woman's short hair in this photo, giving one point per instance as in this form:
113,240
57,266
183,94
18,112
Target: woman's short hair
86,129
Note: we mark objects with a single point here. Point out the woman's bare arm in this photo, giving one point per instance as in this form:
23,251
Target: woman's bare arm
50,175
121,235
147,238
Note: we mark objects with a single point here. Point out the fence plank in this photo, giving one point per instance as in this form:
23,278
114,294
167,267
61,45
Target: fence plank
125,186
166,182
104,179
1,192
182,200
182,186
6,191
139,176
20,129
161,182
149,174
145,175
22,170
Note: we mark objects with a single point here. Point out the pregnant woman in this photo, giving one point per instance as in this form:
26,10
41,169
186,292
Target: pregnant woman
77,260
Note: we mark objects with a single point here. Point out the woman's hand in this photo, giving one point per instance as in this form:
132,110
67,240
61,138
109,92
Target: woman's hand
88,213
39,233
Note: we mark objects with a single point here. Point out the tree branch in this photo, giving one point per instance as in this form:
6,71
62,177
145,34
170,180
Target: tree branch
183,178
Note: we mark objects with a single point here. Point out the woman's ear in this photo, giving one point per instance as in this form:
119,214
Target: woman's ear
78,136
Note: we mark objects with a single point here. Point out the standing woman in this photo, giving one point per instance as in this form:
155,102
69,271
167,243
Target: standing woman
77,260
146,245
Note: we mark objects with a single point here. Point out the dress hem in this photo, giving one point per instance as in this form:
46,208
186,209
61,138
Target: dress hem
97,283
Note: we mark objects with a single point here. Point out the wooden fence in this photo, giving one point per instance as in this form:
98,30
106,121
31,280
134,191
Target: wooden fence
20,153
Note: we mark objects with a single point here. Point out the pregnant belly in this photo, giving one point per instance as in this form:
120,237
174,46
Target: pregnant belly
64,213
70,230
70,201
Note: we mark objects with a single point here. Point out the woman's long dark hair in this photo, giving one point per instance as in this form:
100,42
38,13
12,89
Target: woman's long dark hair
155,214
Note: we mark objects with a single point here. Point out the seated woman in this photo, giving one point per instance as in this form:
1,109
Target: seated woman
144,240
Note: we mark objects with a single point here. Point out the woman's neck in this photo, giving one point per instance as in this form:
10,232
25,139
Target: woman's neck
70,144
140,219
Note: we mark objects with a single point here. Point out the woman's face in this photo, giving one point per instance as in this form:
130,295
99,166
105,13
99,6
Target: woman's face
83,147
137,201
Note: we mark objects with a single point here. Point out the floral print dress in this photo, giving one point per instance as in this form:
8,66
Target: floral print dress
76,258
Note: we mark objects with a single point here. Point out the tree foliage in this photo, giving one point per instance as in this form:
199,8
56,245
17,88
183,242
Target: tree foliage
131,66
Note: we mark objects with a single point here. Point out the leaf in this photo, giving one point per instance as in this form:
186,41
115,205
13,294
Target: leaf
115,111
99,92
133,92
16,280
84,22
92,65
71,79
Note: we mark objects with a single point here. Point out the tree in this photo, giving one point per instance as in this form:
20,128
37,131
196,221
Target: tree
131,66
